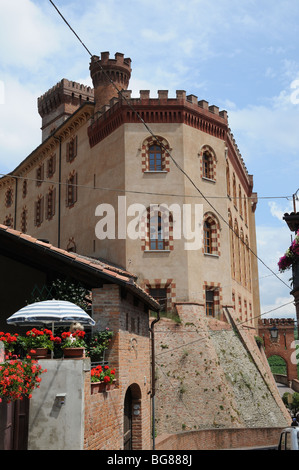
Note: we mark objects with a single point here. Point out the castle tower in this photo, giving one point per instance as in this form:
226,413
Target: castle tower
60,102
109,76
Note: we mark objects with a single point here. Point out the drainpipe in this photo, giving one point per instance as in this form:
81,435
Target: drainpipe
16,201
153,391
59,192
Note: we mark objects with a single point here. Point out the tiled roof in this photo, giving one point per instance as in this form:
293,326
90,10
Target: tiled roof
102,268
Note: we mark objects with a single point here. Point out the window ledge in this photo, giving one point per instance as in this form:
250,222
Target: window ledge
208,179
155,171
156,251
213,255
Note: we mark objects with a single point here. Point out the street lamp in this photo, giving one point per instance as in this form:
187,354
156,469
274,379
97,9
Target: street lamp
274,332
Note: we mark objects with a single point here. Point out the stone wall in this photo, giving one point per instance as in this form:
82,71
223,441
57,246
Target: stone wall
207,378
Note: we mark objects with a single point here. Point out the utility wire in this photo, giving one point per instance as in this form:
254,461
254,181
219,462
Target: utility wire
131,191
166,150
208,335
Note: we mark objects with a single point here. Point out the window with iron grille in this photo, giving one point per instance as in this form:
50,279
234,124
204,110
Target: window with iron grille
39,175
159,294
51,166
39,211
24,220
9,197
25,188
71,190
210,307
71,149
50,203
8,221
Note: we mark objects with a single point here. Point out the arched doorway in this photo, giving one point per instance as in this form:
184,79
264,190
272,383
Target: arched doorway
132,418
128,420
278,365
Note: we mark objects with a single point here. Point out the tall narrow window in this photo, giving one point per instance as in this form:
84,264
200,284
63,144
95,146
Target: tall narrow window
39,175
39,211
71,149
155,158
8,221
9,197
51,166
210,309
206,165
25,188
71,189
24,220
234,190
157,241
50,203
207,237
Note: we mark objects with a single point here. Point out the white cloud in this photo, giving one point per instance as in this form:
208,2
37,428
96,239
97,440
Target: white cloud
278,211
19,124
27,33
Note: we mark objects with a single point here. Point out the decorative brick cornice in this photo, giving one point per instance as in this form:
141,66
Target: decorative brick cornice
161,110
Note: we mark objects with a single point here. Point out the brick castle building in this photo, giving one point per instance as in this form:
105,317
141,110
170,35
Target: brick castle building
158,187
97,159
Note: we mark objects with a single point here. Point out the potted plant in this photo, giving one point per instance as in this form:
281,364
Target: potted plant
73,343
38,342
9,340
18,378
291,259
102,378
98,344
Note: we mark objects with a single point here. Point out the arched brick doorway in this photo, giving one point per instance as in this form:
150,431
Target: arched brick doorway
279,340
133,418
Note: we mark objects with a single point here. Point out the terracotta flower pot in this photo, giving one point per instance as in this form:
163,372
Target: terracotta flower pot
110,386
74,353
39,353
98,387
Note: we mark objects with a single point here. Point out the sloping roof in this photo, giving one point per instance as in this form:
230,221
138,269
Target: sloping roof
96,272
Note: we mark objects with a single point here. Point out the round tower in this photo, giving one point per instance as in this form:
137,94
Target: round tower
109,76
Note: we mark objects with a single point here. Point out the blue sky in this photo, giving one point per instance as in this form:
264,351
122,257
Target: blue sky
241,55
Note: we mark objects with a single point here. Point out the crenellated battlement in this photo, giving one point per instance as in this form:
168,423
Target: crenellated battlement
269,322
181,99
63,92
183,109
109,76
119,61
60,102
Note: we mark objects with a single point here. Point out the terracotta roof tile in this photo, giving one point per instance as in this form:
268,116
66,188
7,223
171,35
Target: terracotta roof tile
112,271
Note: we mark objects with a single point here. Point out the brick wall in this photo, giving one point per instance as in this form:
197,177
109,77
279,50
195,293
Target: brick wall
217,439
129,354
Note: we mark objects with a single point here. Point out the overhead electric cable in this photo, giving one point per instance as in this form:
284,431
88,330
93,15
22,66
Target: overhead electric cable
166,150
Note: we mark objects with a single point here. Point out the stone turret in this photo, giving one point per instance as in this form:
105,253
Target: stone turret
109,76
60,102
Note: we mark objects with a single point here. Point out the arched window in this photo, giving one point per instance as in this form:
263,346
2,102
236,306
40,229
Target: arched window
155,156
211,233
208,163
